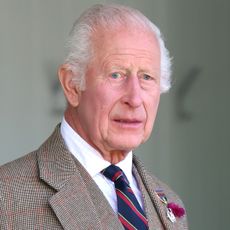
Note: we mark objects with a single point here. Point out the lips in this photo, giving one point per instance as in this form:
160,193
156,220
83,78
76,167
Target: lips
128,123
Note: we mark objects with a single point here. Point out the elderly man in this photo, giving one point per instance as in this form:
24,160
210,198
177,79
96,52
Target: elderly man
85,175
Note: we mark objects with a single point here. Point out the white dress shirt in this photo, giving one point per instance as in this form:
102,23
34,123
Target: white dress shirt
94,163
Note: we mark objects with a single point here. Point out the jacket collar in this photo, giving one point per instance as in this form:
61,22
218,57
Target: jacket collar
56,165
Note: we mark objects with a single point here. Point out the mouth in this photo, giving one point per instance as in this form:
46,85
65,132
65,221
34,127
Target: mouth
129,123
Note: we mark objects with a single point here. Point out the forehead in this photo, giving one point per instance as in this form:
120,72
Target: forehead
129,60
125,41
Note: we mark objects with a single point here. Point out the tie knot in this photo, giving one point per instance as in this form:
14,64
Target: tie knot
114,173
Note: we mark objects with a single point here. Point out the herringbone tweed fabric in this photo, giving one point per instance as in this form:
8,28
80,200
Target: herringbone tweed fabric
49,189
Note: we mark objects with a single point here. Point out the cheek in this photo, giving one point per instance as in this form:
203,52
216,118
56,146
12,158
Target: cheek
108,105
102,106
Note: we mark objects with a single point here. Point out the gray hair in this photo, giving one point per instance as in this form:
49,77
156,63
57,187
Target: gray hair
80,47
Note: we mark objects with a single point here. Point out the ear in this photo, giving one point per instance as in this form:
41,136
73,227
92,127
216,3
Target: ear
71,90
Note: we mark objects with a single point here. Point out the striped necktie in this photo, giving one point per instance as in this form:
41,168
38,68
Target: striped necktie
130,212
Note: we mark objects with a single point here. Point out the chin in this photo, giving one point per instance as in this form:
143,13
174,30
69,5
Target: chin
125,144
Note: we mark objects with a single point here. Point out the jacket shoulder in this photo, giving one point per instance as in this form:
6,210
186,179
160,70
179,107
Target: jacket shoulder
22,167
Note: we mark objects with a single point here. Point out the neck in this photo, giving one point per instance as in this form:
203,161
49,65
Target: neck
115,156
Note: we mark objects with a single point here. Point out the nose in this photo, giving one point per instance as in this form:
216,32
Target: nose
132,92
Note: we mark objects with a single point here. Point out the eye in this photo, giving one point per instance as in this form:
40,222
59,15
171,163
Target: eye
148,81
147,77
116,75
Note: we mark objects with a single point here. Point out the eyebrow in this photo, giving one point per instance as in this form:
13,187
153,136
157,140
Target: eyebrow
115,64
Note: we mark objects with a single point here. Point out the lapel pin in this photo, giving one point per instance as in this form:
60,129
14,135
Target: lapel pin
170,215
172,210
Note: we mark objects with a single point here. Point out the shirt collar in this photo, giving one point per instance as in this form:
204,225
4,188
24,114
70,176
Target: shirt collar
89,157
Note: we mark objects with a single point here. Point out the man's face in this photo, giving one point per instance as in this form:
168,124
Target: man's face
117,109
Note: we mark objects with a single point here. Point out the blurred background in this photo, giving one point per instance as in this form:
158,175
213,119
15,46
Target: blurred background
189,148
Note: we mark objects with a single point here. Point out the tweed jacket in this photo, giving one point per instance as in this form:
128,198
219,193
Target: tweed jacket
49,189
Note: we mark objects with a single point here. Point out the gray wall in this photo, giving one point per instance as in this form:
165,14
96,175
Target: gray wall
189,147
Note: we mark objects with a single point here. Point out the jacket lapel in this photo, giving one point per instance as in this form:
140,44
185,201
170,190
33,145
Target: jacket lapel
78,203
74,208
154,222
149,185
